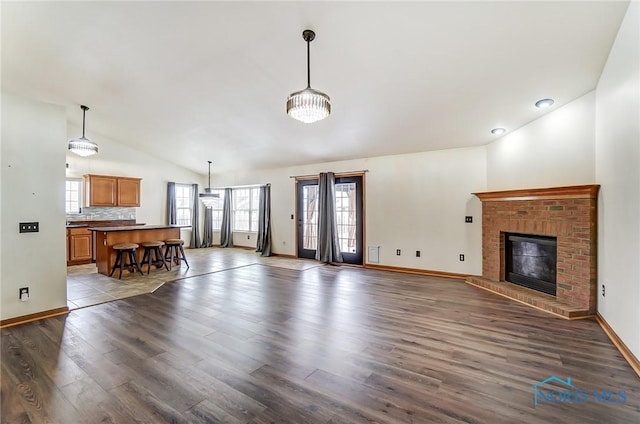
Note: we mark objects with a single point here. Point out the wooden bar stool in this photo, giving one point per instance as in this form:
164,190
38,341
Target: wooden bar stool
174,252
153,255
126,251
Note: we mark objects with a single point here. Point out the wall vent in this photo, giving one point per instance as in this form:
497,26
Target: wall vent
373,254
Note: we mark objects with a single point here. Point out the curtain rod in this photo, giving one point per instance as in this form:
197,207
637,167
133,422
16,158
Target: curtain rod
337,173
242,186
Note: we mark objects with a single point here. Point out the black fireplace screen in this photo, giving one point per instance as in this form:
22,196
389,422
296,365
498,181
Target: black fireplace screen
530,261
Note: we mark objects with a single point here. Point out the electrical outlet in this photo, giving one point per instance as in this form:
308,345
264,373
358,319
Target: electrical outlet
397,252
29,227
23,294
603,290
291,216
461,257
417,253
468,219
248,236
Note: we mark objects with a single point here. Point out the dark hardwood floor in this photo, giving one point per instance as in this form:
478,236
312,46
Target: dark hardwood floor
260,344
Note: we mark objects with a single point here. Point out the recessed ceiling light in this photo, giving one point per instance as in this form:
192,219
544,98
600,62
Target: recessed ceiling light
541,104
498,131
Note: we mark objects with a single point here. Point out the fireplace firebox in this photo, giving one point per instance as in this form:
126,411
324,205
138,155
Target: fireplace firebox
531,261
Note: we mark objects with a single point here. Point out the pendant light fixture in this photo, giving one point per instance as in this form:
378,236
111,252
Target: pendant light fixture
83,146
308,105
208,198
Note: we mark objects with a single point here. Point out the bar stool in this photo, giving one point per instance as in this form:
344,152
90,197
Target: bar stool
174,252
124,251
153,255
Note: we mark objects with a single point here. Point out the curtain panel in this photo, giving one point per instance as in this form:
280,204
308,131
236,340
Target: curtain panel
226,231
328,249
207,236
194,243
172,213
263,244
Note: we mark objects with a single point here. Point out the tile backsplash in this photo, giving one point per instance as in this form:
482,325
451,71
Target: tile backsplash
100,213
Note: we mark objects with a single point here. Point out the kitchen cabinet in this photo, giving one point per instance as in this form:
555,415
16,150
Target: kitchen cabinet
128,192
108,190
80,246
100,190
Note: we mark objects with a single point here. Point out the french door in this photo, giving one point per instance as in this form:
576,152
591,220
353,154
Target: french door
349,214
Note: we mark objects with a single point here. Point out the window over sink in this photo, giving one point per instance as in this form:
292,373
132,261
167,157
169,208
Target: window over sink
73,196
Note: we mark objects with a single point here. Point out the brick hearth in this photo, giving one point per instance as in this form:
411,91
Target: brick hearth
568,213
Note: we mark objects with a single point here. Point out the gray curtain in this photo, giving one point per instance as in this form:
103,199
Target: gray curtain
171,204
264,221
195,220
328,249
226,232
207,237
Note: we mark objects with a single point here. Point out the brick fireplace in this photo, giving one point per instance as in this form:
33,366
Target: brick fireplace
567,213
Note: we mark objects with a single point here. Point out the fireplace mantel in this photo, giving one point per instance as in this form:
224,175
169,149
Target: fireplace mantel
567,213
569,192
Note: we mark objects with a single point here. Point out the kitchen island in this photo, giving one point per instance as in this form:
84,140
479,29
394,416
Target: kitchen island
107,237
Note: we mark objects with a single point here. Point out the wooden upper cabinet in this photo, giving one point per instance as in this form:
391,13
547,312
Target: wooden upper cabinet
128,191
100,190
107,190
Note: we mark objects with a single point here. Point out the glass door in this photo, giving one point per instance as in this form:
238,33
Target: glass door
349,214
307,211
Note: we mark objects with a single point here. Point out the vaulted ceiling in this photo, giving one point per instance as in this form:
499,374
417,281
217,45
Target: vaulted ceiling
197,81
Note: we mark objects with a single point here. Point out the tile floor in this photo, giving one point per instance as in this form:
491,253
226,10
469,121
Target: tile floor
85,287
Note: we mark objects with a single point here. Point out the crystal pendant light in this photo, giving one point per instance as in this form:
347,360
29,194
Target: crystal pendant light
83,146
208,198
308,105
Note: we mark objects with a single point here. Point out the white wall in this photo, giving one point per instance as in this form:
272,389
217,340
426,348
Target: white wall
618,172
558,149
413,202
34,140
119,159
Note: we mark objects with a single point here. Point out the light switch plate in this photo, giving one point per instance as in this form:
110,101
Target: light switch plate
29,227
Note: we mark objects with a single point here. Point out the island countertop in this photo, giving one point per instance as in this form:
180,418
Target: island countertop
91,223
136,228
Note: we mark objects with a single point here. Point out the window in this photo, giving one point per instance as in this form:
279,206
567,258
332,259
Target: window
73,197
245,209
183,204
216,210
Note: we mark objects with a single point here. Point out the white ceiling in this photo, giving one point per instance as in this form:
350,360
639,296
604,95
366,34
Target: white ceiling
197,81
